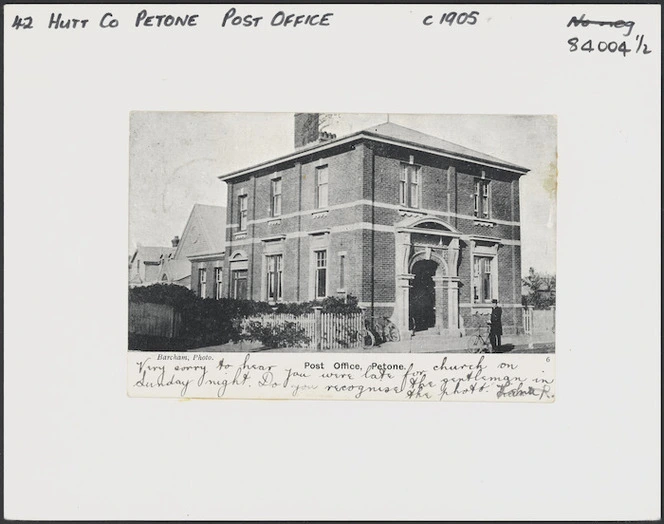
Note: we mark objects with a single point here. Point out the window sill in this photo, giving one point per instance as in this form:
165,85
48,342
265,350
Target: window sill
276,238
484,222
274,221
319,213
238,236
411,212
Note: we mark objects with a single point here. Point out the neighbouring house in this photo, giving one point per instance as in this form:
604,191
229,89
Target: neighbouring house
145,264
421,230
203,236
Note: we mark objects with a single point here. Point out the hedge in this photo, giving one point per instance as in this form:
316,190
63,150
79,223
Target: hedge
209,322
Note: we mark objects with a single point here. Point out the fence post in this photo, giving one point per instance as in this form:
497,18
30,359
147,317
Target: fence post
532,327
553,313
318,328
363,323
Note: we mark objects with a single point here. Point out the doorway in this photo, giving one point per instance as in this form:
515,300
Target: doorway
422,298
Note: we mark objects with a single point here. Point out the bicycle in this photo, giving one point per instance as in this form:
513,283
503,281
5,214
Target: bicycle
368,338
479,343
379,330
386,330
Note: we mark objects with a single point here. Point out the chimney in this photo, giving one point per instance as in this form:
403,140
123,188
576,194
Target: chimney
175,241
307,129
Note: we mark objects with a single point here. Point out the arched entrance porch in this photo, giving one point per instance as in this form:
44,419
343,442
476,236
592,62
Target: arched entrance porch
427,294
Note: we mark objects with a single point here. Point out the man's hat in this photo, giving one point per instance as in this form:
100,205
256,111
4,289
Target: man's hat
495,301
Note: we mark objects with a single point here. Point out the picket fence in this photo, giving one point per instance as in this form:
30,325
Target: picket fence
154,319
324,330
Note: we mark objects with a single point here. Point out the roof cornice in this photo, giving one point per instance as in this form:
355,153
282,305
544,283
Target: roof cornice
202,257
368,135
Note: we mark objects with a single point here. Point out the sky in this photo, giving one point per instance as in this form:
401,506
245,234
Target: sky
176,157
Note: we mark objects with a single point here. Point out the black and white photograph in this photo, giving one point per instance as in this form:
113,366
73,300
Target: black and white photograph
330,232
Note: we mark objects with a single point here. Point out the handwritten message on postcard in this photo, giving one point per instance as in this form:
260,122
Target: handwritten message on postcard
460,377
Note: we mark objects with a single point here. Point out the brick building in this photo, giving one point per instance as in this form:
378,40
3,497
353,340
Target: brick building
419,229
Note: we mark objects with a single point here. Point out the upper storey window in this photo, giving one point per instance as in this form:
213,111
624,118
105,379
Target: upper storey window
410,186
482,199
242,207
321,187
275,207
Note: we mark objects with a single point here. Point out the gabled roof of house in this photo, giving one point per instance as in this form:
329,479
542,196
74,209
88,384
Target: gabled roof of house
204,232
176,269
151,253
392,133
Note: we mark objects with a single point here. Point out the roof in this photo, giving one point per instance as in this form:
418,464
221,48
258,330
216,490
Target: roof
213,221
176,269
204,232
411,136
152,253
390,132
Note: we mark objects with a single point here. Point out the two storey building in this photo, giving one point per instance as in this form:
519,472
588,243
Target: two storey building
421,230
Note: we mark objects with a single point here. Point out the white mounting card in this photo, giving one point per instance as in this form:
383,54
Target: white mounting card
334,196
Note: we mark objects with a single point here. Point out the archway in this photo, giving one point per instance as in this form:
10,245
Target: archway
422,299
427,282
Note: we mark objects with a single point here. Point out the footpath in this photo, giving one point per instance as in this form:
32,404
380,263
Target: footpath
535,343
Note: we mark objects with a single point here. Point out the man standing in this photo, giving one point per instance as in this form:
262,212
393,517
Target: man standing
496,325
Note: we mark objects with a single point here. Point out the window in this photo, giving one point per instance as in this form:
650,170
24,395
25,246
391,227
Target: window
410,186
275,207
274,267
483,280
242,219
321,187
202,276
342,271
482,205
218,275
239,283
320,275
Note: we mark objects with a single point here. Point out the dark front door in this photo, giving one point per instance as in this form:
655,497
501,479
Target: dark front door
423,295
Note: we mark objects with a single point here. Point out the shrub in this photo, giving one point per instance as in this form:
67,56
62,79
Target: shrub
276,336
541,289
339,305
328,305
208,322
205,321
169,294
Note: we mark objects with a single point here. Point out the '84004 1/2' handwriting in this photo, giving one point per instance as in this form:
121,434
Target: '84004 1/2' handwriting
609,47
